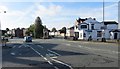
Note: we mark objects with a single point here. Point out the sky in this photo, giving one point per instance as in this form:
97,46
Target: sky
54,14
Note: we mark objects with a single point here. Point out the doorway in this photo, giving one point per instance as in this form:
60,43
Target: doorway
115,35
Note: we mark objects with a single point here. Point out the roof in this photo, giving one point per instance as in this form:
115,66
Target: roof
115,30
90,20
110,22
71,27
79,20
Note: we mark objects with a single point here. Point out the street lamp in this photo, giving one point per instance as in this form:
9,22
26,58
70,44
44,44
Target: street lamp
1,30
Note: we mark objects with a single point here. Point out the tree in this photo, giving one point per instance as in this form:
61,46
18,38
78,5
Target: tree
7,29
64,30
30,30
38,31
54,29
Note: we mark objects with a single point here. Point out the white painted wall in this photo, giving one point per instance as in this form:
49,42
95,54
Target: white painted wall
107,34
80,33
98,26
112,26
94,34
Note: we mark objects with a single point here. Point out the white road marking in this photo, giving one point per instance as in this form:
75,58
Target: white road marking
80,46
20,46
49,50
43,57
24,45
68,44
61,63
54,52
56,67
13,46
39,46
53,57
49,62
12,53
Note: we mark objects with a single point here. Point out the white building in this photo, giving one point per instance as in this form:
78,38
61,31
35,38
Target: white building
109,27
70,32
91,29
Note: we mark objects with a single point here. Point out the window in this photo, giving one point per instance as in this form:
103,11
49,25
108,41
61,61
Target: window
83,26
84,35
92,26
77,34
99,33
80,35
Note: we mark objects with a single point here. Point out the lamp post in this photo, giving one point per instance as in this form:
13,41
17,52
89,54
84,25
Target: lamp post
2,41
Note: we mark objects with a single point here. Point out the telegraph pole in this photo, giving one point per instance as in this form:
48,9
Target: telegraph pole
103,11
103,31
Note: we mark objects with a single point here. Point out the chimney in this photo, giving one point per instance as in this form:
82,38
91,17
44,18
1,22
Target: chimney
85,18
94,18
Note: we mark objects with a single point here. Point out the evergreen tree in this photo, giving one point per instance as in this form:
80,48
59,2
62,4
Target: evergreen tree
38,31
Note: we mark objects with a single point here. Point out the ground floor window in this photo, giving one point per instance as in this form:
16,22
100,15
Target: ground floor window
99,33
84,35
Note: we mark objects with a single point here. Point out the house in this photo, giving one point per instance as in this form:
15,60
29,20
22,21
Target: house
115,34
70,32
45,33
91,29
19,32
108,27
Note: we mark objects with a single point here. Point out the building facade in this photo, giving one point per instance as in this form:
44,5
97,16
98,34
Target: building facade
91,29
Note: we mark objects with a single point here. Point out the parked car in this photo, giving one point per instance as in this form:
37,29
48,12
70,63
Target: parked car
5,39
28,39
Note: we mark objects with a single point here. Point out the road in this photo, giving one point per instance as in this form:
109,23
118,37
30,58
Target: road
59,54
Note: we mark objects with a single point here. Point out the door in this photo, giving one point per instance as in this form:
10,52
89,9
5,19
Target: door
76,34
115,35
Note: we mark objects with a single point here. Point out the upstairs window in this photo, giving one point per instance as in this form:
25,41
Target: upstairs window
92,26
83,26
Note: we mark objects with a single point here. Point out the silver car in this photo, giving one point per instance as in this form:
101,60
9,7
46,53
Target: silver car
28,39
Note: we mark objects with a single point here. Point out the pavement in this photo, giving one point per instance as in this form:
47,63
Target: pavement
59,54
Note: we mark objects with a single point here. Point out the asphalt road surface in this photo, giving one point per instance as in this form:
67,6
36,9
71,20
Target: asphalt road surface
59,54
